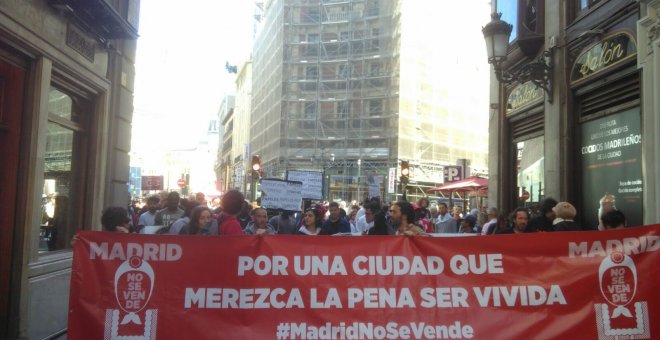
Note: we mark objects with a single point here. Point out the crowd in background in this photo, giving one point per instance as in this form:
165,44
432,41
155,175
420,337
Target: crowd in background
231,214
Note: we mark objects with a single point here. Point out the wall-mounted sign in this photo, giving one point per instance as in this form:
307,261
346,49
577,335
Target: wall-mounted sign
611,158
523,96
452,173
152,182
609,52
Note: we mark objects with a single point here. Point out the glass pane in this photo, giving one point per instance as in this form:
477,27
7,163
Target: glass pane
60,104
509,10
57,222
529,171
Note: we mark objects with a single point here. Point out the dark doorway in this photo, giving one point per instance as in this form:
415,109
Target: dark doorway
11,105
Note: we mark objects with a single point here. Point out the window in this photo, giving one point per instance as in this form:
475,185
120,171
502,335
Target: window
375,107
509,10
376,69
529,171
310,116
64,169
311,72
344,71
584,5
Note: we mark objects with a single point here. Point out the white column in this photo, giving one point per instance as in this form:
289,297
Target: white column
648,60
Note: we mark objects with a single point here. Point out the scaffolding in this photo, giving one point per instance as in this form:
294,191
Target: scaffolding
326,91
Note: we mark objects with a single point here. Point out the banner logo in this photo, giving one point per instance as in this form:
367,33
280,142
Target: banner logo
134,284
618,284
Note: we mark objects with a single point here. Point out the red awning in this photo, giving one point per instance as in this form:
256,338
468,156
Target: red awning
472,183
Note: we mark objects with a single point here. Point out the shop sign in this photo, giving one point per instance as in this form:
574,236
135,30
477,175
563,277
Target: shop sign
611,157
152,182
603,55
524,95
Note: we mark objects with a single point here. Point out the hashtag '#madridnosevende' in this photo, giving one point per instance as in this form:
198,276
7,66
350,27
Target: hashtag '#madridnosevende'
283,331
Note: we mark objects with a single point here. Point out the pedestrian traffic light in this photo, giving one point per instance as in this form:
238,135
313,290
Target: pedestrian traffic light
405,172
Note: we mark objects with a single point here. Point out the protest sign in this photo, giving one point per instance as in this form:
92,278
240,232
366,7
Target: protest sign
312,182
279,194
587,285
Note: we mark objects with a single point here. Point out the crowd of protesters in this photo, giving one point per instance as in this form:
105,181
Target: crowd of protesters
233,215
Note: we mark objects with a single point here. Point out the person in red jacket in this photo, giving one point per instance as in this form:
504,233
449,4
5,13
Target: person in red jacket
232,203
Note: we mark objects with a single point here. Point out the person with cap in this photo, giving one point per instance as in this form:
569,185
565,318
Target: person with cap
565,217
467,224
543,222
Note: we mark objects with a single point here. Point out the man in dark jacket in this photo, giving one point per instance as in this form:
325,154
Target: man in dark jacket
335,223
543,222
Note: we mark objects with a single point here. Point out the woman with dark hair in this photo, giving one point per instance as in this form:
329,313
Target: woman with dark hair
543,222
175,228
115,219
199,224
380,225
311,222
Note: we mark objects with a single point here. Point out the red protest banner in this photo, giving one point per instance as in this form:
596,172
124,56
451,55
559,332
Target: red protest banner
588,285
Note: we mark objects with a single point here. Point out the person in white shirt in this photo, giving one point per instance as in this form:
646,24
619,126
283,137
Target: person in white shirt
148,218
445,223
492,221
366,222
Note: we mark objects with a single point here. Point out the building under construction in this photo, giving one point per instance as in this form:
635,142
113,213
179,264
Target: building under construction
334,91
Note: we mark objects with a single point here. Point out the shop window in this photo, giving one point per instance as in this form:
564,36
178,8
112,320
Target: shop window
529,172
64,169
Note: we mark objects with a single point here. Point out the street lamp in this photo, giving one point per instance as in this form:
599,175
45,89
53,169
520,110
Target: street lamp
539,71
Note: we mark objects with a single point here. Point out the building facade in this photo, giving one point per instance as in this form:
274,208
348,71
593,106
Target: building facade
339,88
223,167
66,87
591,138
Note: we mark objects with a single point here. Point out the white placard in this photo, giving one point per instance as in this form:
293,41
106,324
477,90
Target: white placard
374,185
312,182
391,179
279,194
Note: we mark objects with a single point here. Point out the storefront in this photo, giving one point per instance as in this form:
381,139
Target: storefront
590,136
66,73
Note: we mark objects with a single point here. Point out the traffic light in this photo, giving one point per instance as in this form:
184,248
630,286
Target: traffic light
405,172
256,167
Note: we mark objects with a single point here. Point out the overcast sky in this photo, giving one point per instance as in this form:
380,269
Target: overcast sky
180,67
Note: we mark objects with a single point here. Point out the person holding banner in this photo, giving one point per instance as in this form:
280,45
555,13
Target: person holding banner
232,203
311,223
403,216
519,217
335,223
200,222
259,225
115,219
